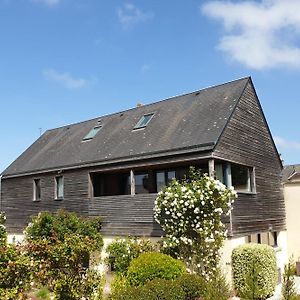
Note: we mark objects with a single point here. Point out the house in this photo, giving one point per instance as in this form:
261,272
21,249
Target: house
291,184
113,166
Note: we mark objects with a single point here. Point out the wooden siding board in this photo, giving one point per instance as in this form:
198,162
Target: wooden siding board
246,140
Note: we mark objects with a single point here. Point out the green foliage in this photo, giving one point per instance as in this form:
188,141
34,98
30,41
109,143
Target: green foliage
190,214
157,289
53,227
60,245
193,285
86,286
43,294
122,251
254,271
3,233
149,266
15,272
288,289
217,288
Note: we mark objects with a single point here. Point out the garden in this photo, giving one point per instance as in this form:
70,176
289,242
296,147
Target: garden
58,260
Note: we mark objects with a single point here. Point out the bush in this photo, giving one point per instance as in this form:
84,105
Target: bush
288,289
53,227
15,272
254,271
217,288
193,285
122,251
149,266
157,289
190,213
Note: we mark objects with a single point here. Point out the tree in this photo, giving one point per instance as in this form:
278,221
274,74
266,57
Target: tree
190,213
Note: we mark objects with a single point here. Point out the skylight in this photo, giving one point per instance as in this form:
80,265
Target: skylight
92,133
144,121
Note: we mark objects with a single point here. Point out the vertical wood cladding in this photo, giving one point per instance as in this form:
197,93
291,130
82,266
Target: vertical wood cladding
17,197
246,140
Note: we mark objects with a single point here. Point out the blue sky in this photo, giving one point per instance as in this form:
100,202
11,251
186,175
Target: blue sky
64,61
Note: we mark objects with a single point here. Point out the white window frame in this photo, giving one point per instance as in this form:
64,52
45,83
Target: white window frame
36,183
57,192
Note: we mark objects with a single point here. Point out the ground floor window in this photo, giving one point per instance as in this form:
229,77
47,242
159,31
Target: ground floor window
267,238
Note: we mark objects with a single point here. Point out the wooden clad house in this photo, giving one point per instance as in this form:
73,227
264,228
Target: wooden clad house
113,166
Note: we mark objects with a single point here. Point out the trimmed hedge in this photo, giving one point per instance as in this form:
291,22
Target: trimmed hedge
193,286
254,271
149,266
157,289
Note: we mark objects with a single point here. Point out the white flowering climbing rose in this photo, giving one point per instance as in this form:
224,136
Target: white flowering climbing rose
190,213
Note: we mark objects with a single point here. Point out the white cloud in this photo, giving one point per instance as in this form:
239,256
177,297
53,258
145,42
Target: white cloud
66,79
260,35
129,15
47,2
285,144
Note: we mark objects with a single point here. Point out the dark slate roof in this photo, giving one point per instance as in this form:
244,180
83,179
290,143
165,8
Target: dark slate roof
289,171
183,123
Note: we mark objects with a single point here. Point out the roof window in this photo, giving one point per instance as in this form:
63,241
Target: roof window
92,133
144,121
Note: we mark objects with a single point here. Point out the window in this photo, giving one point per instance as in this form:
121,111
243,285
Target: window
59,187
267,238
239,176
36,189
109,184
141,183
163,178
144,121
92,133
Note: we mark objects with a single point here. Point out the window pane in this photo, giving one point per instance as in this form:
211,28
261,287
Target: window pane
37,189
219,173
171,175
241,178
143,122
92,133
160,181
59,187
141,183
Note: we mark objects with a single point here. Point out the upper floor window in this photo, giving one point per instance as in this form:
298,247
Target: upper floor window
36,189
239,176
144,121
92,133
163,178
141,183
59,187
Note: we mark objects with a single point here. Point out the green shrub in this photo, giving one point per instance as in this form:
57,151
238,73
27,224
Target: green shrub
122,251
86,286
43,293
288,289
217,288
53,227
157,289
254,271
15,272
149,266
193,285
